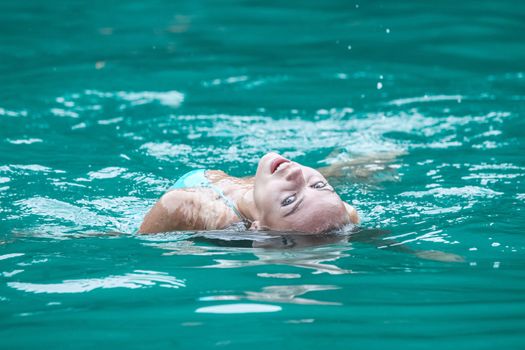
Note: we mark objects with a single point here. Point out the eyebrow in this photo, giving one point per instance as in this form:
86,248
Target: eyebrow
327,189
324,189
294,209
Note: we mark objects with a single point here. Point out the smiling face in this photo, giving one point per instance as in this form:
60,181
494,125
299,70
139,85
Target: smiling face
293,197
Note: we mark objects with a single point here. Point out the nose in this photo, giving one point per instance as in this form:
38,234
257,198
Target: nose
295,175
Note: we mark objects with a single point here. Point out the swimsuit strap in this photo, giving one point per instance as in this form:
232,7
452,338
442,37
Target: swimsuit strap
197,179
229,203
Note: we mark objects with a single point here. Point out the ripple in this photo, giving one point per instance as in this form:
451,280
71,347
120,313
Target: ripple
426,98
496,166
110,121
9,256
333,128
466,192
60,112
317,260
106,173
280,294
168,98
166,150
238,309
10,113
24,141
227,81
27,168
59,210
303,320
279,275
137,279
10,273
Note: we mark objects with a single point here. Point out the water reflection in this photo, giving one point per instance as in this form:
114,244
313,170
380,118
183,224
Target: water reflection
319,253
320,261
279,294
314,252
134,280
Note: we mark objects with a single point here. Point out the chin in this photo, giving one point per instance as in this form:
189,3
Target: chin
263,168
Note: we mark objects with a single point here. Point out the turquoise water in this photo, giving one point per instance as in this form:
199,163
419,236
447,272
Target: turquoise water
103,104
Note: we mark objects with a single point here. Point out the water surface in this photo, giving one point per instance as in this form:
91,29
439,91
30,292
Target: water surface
104,104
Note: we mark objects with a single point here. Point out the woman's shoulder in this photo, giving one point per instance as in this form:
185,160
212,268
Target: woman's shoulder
216,175
186,209
196,209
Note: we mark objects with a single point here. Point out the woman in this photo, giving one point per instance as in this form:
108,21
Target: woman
283,195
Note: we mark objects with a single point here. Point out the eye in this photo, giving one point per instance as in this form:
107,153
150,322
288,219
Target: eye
319,184
288,200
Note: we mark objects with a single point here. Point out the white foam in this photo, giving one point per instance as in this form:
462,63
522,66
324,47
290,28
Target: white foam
106,173
166,150
466,191
167,98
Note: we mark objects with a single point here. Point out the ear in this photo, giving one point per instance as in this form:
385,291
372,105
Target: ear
255,226
354,218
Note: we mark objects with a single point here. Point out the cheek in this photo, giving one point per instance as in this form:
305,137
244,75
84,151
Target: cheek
265,189
272,221
269,205
263,197
259,190
269,209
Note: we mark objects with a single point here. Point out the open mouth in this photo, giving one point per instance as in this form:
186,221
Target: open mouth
277,163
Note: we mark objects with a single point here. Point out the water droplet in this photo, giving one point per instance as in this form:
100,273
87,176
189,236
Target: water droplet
349,47
496,264
387,30
379,85
473,249
495,244
356,6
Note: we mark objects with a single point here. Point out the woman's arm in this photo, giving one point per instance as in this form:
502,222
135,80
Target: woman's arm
372,168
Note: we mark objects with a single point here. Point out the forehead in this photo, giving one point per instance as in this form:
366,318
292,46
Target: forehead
314,223
319,201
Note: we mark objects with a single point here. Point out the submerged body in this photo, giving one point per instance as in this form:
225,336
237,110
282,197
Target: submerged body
283,195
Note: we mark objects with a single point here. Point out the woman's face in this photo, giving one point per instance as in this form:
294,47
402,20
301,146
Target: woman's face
293,197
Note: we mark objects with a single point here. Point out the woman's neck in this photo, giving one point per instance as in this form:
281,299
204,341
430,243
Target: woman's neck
243,198
239,190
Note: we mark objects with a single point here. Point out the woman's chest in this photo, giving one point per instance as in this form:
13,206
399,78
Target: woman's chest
211,211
